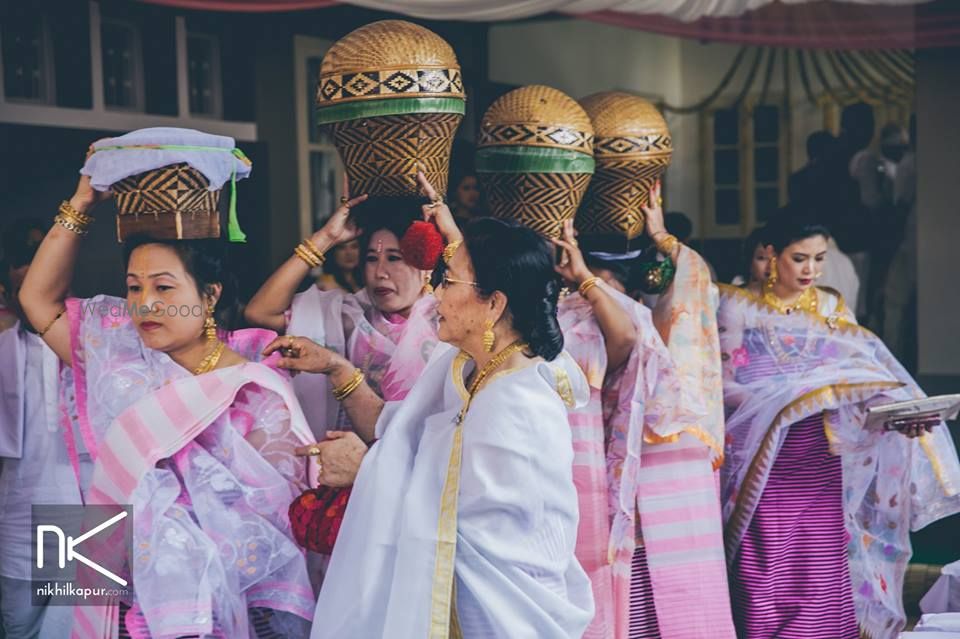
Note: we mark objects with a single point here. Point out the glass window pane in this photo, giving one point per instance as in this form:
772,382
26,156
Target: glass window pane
23,58
201,67
726,127
322,186
726,204
726,167
767,200
766,124
118,44
766,164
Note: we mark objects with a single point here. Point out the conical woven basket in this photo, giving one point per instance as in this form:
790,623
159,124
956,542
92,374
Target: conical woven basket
172,202
391,95
632,150
534,158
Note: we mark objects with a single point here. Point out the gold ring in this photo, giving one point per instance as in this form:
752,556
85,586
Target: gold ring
289,341
574,242
344,199
659,201
313,450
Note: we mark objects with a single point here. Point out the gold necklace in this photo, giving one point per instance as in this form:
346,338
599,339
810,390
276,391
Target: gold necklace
485,372
807,301
211,360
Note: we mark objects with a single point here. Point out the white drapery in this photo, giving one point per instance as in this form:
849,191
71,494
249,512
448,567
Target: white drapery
492,10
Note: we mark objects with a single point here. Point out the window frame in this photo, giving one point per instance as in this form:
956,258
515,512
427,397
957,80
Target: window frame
306,47
216,87
747,184
139,89
48,78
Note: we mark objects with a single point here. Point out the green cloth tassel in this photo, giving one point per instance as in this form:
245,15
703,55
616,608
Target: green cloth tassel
234,232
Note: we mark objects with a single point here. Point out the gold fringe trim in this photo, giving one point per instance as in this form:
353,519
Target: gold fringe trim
650,437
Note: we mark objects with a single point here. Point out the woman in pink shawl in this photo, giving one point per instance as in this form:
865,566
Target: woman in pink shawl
387,330
655,426
818,504
184,427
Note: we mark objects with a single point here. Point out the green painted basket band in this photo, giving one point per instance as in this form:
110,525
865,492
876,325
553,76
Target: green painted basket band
388,106
532,159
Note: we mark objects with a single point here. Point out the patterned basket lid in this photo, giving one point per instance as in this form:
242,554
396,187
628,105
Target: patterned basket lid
537,116
390,67
632,149
627,126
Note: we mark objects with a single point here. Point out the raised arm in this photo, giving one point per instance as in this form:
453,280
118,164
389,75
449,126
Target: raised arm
304,356
619,332
268,306
44,291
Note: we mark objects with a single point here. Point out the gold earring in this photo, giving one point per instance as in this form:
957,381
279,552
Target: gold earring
772,278
427,286
489,339
210,325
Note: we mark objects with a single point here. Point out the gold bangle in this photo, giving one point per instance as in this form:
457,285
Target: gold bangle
351,385
52,322
311,248
66,209
302,253
667,244
588,284
449,250
70,225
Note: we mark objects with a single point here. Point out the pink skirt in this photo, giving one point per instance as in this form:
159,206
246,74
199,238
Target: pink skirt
791,578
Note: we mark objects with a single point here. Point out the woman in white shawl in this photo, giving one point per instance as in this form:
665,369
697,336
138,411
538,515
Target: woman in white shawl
463,516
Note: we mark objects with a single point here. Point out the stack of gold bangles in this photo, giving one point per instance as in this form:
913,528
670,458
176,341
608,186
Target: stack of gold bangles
72,219
309,253
588,284
351,385
666,243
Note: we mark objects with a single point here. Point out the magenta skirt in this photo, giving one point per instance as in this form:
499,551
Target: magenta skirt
791,578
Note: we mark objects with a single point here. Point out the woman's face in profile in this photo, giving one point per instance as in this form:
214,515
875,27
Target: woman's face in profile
461,310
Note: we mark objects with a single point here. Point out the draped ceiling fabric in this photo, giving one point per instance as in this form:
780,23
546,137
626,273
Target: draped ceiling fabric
809,24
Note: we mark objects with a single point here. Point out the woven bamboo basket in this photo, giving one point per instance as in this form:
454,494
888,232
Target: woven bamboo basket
172,202
632,150
535,157
391,95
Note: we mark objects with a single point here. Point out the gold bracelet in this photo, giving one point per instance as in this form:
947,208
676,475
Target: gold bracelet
667,244
70,225
351,385
588,284
52,322
302,253
449,250
311,248
66,209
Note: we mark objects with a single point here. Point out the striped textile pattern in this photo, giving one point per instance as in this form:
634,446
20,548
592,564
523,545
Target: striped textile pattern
791,578
643,612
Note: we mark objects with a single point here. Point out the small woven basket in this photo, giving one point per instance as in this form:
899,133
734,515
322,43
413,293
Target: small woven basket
391,95
534,158
632,150
173,202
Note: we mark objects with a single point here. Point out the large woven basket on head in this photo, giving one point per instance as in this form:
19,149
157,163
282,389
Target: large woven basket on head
172,202
391,95
535,157
632,149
